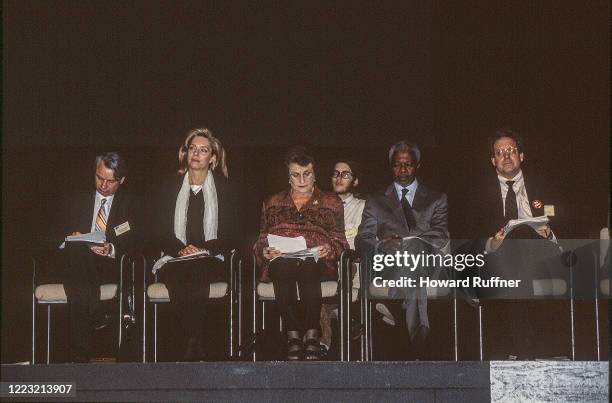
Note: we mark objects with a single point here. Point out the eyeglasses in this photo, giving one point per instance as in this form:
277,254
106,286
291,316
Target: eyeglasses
510,150
200,150
342,174
398,165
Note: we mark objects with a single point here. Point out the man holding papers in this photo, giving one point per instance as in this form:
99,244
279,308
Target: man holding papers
511,196
104,221
511,217
316,219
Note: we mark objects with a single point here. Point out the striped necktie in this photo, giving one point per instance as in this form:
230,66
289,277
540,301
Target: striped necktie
101,218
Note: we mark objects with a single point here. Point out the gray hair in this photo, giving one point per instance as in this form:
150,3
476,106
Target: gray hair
113,161
403,145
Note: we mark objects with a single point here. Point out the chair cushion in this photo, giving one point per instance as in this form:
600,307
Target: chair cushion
549,287
54,293
266,290
158,292
604,286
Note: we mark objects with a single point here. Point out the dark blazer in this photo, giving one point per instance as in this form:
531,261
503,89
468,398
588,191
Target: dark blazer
79,213
486,215
383,217
229,228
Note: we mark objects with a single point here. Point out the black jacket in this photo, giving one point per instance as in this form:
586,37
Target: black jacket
229,228
79,213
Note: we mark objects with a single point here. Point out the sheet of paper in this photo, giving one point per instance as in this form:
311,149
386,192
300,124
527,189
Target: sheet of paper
287,244
161,262
533,222
91,237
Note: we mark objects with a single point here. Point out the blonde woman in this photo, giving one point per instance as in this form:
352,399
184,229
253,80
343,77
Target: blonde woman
197,214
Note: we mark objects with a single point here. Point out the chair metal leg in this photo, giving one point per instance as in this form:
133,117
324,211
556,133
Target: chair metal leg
480,335
154,332
240,318
263,315
48,333
596,287
370,336
254,309
231,307
362,338
120,294
144,311
342,310
455,326
33,360
573,340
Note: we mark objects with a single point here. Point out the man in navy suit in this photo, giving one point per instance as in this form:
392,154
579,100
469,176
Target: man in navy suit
107,210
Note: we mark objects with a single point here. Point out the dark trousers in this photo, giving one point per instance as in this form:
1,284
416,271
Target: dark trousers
188,284
285,273
84,272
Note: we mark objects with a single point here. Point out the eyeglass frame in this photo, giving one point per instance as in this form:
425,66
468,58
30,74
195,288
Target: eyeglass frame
510,150
342,174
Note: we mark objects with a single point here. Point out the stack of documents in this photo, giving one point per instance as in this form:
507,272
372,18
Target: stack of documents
96,237
161,262
533,222
293,248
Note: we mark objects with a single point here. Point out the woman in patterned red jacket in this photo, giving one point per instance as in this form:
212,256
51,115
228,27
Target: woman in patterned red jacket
302,210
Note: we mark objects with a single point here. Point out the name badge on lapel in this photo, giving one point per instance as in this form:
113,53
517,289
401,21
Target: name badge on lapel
549,210
122,228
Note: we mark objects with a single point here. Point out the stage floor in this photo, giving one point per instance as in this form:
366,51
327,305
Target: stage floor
471,381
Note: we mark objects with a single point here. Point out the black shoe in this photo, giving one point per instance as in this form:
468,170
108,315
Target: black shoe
312,350
294,349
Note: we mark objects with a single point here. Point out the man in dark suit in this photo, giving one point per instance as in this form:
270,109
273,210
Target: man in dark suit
524,252
407,208
492,209
107,210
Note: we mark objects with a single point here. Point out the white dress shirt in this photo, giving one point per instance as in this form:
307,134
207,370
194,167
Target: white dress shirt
412,188
353,209
522,200
107,209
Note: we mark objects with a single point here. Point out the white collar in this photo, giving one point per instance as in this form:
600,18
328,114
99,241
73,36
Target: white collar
517,178
348,199
99,198
411,188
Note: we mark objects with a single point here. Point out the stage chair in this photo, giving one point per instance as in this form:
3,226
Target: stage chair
333,292
370,295
602,285
542,288
50,294
351,297
228,292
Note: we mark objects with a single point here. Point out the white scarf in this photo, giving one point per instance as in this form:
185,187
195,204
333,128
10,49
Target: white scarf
210,221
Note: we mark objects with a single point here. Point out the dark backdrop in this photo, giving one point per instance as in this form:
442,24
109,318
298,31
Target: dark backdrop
82,77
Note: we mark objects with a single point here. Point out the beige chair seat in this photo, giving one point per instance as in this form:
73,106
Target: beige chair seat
158,292
55,294
604,286
549,287
328,289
